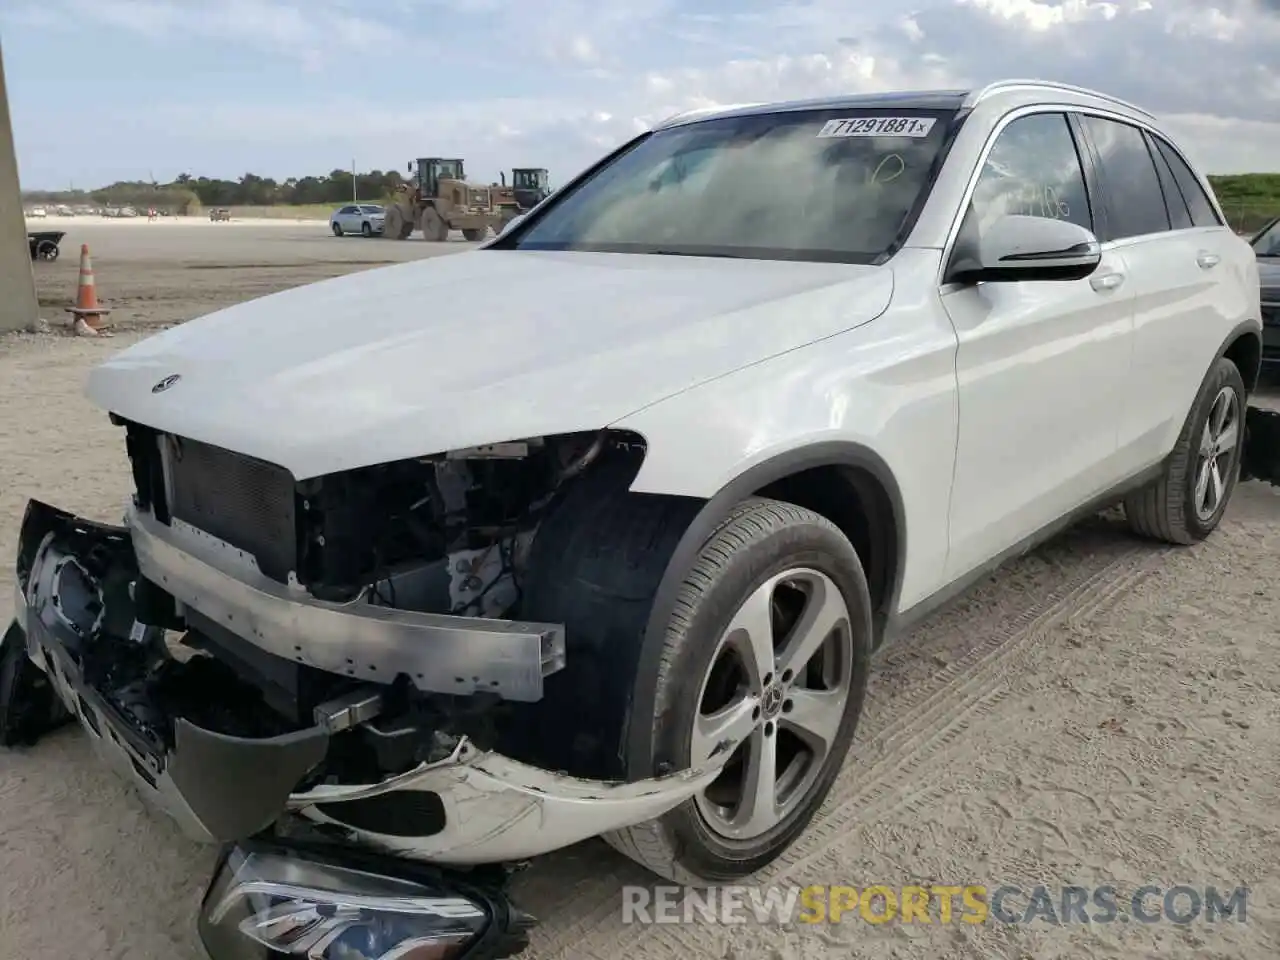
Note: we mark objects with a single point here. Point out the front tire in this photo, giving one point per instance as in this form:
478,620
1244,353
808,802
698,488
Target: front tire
1187,502
366,230
337,230
433,226
766,655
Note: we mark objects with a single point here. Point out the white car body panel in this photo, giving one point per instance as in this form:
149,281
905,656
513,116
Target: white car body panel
1041,373
888,386
343,374
1182,314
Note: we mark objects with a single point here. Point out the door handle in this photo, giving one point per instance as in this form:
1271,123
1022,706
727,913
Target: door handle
1207,260
1106,281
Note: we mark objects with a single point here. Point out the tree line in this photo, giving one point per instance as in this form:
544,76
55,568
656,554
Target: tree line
188,194
1248,199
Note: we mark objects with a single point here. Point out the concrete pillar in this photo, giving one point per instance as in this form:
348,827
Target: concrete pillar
18,306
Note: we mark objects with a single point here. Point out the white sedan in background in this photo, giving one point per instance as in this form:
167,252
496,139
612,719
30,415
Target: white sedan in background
362,218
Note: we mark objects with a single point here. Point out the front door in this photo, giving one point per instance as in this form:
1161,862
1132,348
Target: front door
1041,366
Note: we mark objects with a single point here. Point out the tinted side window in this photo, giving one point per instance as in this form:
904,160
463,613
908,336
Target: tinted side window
1179,214
1033,170
1135,205
1198,203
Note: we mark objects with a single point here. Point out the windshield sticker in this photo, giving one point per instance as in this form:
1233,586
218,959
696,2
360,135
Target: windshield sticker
878,127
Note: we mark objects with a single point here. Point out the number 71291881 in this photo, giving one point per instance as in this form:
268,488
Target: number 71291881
877,127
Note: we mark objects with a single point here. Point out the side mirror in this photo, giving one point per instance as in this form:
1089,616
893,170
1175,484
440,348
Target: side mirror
1016,247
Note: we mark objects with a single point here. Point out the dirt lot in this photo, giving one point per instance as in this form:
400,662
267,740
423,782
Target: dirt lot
171,270
1100,712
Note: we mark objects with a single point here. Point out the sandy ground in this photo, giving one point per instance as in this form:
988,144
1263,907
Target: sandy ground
1102,711
171,270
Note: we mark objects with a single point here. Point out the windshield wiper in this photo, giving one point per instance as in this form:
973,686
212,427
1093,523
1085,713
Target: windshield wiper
689,253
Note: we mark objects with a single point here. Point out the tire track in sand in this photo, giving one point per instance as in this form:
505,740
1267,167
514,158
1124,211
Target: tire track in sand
904,729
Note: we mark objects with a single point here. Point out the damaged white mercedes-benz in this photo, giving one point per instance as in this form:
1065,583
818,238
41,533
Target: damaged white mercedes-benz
432,569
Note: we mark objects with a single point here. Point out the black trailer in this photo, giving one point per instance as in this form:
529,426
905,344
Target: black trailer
44,245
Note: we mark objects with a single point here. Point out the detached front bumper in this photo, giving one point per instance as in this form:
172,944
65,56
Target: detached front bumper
76,620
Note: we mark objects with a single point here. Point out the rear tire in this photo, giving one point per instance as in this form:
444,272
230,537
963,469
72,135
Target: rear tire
1187,502
764,548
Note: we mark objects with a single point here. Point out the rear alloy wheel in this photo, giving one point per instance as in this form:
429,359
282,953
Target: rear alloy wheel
767,656
1187,502
337,230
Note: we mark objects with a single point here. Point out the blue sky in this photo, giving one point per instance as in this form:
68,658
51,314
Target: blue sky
102,90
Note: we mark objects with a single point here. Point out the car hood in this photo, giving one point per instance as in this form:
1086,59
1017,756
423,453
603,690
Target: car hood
472,348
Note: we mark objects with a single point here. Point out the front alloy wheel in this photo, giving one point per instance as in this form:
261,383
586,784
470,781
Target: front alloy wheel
778,685
765,661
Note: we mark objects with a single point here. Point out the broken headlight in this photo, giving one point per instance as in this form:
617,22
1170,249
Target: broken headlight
268,902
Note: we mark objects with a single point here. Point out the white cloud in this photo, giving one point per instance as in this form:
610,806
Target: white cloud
606,70
307,32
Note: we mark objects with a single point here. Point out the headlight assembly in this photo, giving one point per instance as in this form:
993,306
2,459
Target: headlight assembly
270,902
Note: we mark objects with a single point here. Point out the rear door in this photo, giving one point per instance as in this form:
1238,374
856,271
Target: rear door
1187,276
1041,367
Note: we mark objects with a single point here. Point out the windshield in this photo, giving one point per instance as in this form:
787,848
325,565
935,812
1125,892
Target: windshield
807,185
1267,243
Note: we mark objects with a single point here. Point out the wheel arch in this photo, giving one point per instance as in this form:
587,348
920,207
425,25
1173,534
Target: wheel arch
1243,347
848,483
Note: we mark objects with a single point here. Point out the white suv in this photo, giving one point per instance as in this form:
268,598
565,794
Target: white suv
600,541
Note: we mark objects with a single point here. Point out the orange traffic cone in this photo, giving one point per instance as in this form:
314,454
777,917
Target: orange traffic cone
87,314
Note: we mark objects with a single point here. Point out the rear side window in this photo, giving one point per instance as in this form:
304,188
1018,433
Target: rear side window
1202,213
1179,213
1135,202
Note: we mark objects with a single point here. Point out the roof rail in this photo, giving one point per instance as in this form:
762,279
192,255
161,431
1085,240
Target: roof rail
705,111
1004,86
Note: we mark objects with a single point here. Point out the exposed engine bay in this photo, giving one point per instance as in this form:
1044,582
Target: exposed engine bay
445,537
